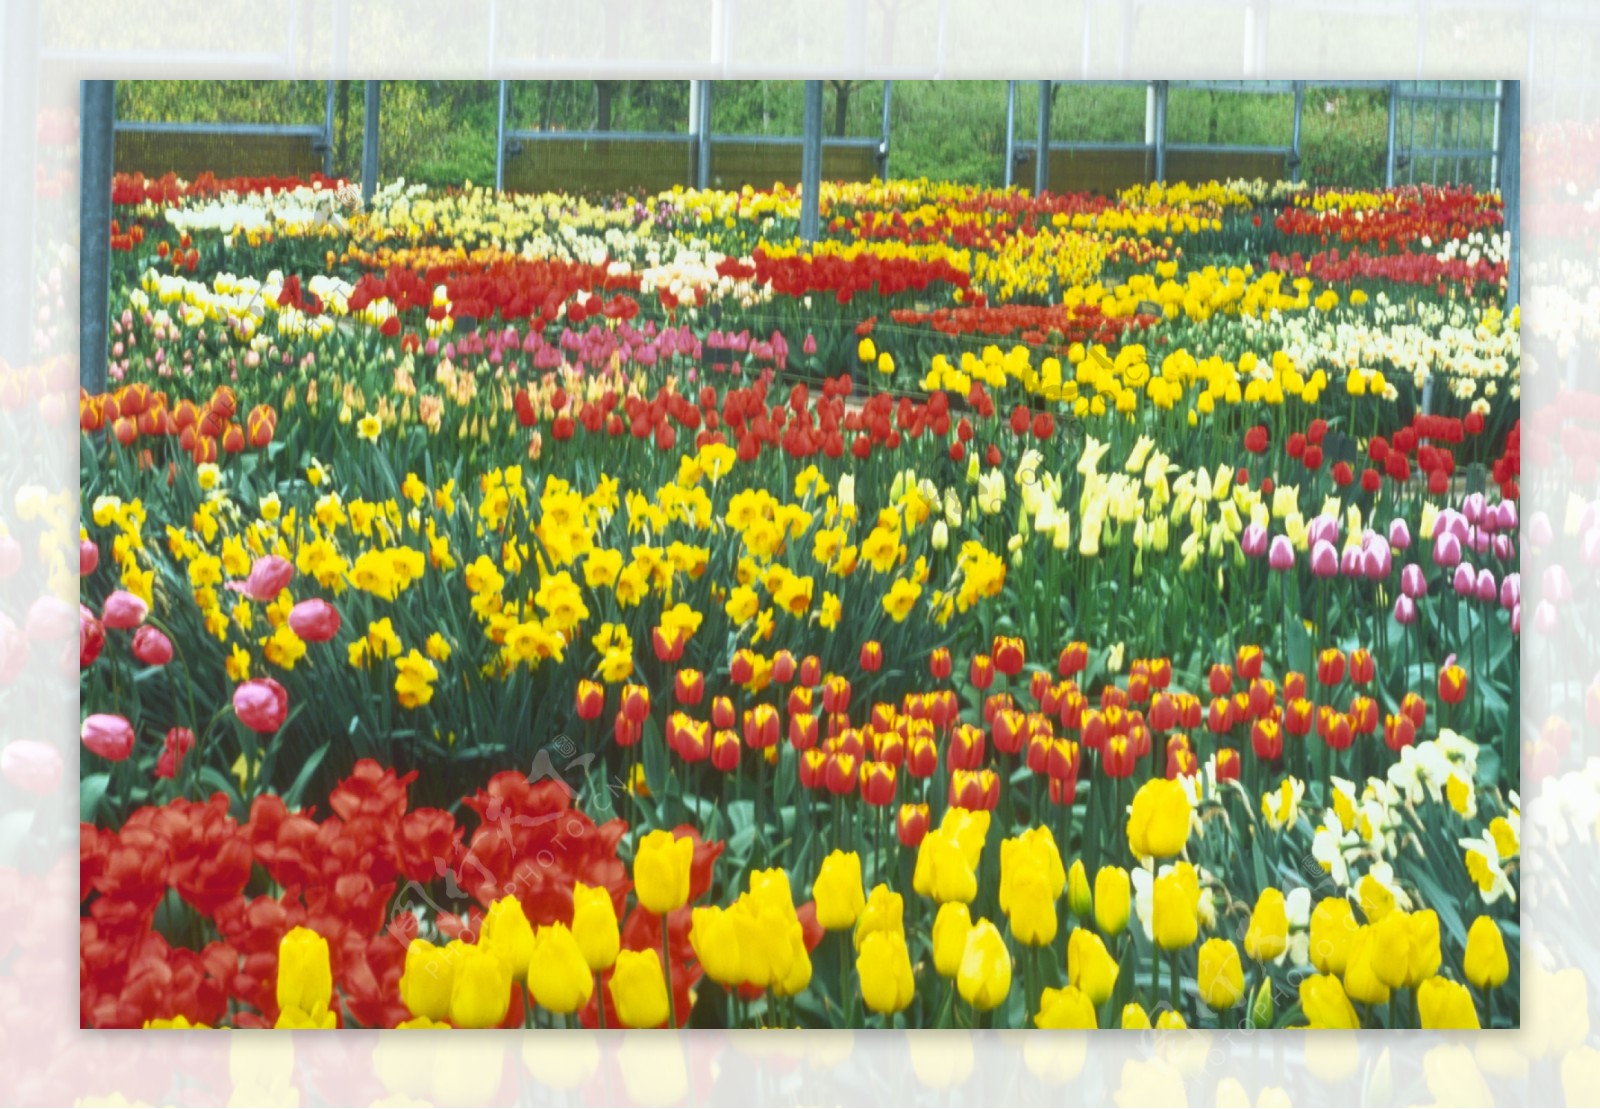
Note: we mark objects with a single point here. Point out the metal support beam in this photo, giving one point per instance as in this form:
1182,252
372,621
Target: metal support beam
1510,142
811,164
98,106
703,131
1394,112
369,143
1299,111
1161,130
500,138
883,149
1041,150
327,132
1011,133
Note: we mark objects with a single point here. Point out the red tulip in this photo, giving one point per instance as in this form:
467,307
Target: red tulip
1220,680
151,647
1416,707
761,727
268,577
261,704
1266,739
88,557
1298,717
722,717
922,756
802,731
1074,659
1364,715
911,824
1330,666
840,773
1119,757
813,767
939,663
1009,655
1160,673
91,638
836,694
976,790
123,611
668,644
811,671
1294,686
1247,663
1219,717
636,703
783,667
877,783
107,735
1164,713
1362,669
982,671
725,748
315,620
1010,731
591,699
1398,732
32,766
743,667
871,656
689,686
1452,683
1263,697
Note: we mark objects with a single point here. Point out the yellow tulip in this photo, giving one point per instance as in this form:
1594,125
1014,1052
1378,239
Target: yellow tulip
944,871
1175,903
1090,966
1158,823
985,975
559,975
1486,965
594,923
838,892
1333,927
1361,979
1220,976
661,872
1446,1004
1032,910
1323,1000
1111,899
884,912
305,979
638,988
1391,949
1268,935
508,934
425,983
1425,957
1079,899
1171,1020
763,940
1134,1017
884,967
715,940
798,975
480,994
295,1017
950,930
1065,1008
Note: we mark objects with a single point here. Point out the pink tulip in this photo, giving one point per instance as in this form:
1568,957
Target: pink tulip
151,647
50,618
1376,563
1507,513
1557,586
1323,529
1511,591
107,735
1516,619
1539,533
314,620
1472,508
1413,583
1546,619
1405,610
268,577
261,704
123,611
10,556
1465,580
1502,548
810,345
1280,555
1350,562
1446,549
1399,534
1324,559
88,557
1254,541
31,766
1488,593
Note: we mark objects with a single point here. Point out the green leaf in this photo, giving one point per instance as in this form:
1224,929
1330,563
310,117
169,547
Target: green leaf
90,793
292,798
653,747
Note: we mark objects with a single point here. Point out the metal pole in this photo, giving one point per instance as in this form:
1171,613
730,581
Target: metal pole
1394,109
98,106
1041,151
1011,133
811,164
1299,108
327,133
703,154
1511,184
500,139
369,144
883,149
1494,135
1161,131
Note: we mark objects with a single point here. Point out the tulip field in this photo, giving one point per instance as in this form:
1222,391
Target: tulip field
1009,610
